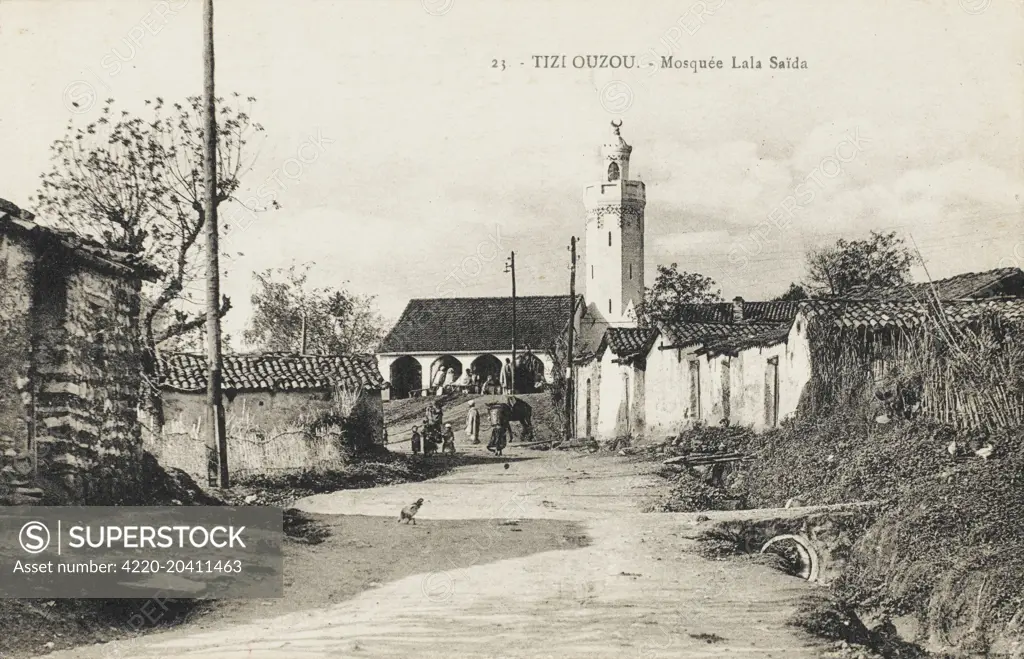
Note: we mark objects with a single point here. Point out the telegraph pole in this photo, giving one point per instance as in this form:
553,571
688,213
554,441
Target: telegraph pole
216,441
510,266
570,377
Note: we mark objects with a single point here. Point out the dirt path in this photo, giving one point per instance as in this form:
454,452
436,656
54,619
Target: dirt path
634,591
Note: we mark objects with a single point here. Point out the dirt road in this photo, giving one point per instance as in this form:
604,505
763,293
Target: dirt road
634,591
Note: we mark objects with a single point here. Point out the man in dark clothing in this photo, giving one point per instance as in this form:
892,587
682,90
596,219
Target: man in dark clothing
432,428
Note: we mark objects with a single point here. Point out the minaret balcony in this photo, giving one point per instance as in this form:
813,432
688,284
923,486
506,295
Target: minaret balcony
615,191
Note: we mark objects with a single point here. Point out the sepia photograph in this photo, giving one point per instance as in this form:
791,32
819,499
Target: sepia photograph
481,328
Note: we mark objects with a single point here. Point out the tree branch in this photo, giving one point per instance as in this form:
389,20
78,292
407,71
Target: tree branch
185,326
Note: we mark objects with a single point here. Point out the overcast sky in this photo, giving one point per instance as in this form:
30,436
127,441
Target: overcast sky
420,154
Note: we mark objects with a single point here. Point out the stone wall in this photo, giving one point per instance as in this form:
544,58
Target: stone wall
268,432
16,268
69,374
87,381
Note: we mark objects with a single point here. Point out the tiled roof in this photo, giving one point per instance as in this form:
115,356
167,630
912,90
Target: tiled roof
765,336
886,313
774,311
20,222
271,372
628,342
470,324
998,282
682,335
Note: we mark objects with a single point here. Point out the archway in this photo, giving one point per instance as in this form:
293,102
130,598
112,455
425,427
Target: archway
486,366
406,376
441,366
529,373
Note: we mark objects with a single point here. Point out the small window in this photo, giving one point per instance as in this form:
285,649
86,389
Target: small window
630,270
613,171
591,272
609,238
609,305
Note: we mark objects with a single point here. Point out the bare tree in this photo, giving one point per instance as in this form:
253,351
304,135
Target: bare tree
136,184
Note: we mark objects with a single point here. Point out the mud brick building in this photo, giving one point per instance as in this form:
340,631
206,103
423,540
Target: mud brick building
756,364
70,364
281,411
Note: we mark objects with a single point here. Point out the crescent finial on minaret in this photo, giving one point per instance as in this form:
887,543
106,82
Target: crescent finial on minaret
616,125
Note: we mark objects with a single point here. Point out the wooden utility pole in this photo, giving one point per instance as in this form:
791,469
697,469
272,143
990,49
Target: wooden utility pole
511,267
570,373
302,346
216,440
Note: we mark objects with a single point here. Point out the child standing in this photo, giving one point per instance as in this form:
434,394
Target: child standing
448,439
416,441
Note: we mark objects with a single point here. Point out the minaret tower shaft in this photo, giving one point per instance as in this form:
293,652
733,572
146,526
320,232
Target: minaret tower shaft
613,275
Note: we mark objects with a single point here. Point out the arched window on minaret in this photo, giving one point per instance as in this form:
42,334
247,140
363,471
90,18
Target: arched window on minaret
613,171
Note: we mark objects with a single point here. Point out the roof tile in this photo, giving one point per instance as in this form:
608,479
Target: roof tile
464,324
271,372
21,222
773,311
890,313
1001,281
627,342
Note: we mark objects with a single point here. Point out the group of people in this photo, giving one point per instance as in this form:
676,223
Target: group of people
437,433
434,433
472,381
428,442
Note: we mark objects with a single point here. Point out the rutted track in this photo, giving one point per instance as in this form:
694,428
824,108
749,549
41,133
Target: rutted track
636,589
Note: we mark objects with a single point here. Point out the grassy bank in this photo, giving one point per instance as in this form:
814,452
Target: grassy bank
944,555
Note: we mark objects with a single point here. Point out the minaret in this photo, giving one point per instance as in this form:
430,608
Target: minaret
614,258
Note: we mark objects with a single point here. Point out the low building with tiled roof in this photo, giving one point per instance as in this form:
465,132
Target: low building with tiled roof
473,333
906,350
751,363
282,410
706,365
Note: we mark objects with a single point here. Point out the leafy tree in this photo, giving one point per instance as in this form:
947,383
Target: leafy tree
793,293
136,184
671,289
880,261
336,320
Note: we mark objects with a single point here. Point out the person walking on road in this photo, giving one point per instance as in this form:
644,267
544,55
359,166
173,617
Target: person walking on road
473,423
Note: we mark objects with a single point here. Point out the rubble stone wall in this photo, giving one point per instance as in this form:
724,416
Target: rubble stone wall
16,269
88,377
